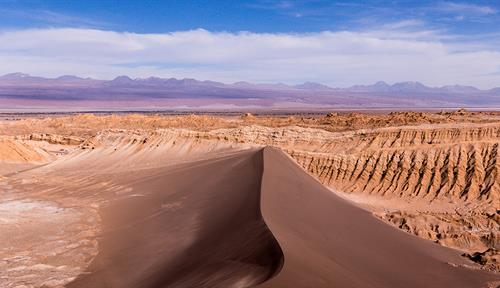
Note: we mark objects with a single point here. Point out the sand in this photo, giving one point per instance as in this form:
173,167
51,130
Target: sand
329,242
219,208
188,227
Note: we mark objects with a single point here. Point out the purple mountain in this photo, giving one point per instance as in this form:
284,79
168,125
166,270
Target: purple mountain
23,90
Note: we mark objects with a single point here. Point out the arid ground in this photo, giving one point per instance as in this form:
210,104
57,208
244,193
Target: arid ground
401,199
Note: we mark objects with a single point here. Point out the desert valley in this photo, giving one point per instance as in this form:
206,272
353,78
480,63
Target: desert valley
251,143
401,199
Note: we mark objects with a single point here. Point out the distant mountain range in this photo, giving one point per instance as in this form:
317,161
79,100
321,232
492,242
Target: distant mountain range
18,90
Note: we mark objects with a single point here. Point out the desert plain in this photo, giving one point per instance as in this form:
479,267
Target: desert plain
399,199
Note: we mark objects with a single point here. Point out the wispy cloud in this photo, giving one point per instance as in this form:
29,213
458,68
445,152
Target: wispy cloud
294,9
337,58
372,13
272,5
407,23
297,9
464,8
53,18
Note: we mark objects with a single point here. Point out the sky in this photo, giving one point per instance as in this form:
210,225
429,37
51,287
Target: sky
338,43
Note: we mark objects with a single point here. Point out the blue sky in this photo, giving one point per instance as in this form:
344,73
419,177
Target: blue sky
255,16
339,43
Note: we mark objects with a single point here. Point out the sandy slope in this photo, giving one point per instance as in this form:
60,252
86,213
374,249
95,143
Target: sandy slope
328,242
109,198
233,219
193,225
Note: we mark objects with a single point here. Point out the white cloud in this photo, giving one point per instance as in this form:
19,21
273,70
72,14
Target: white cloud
336,58
465,8
404,24
52,17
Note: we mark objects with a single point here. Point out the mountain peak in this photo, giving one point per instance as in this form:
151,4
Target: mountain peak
122,78
459,88
69,78
312,86
381,84
16,75
409,84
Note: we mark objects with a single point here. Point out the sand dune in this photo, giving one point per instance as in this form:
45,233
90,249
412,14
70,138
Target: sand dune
241,219
328,242
186,226
184,208
442,180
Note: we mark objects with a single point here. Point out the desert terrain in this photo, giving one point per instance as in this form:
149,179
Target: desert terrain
392,199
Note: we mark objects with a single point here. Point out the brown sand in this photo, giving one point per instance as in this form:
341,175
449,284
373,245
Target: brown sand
157,207
199,224
328,242
189,227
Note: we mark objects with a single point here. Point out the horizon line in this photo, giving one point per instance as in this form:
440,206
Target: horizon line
389,84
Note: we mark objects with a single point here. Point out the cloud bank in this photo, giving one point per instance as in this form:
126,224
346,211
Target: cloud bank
398,52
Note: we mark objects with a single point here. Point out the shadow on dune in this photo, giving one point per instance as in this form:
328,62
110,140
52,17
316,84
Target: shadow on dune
198,225
205,224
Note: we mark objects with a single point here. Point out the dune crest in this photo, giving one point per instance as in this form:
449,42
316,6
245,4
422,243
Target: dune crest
187,227
214,208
